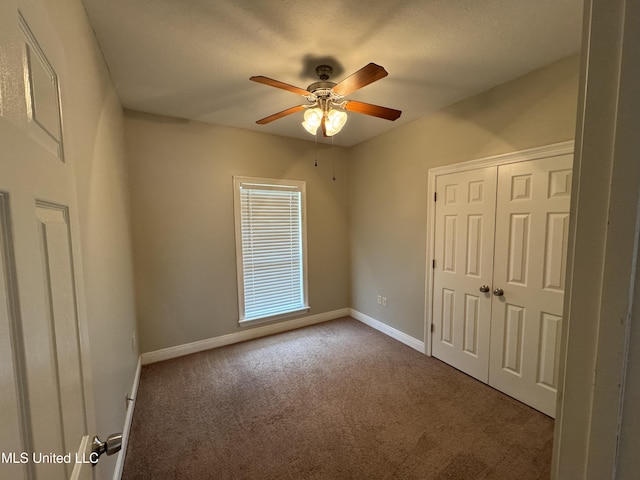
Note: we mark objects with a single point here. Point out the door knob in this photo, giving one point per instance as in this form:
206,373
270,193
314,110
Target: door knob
111,445
498,292
484,289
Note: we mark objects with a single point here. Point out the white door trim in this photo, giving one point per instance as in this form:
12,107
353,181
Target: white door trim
545,151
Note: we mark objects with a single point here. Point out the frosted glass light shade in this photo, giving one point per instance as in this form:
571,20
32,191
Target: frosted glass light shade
335,121
312,120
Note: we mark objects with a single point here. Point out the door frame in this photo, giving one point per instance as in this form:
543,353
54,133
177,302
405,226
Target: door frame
546,151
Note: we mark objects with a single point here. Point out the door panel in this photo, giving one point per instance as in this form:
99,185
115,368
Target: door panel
513,339
555,251
547,350
464,228
62,319
532,216
518,248
470,343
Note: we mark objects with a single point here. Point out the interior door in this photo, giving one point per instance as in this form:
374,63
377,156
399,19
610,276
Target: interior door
464,226
532,222
43,402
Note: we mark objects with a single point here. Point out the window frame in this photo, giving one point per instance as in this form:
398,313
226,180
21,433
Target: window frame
277,184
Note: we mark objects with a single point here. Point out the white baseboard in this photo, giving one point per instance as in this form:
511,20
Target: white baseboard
221,341
387,330
117,473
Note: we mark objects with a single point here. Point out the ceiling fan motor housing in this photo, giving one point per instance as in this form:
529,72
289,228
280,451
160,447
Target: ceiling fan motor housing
324,72
322,85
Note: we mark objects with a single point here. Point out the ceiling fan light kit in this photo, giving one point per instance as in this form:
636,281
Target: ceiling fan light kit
333,119
327,107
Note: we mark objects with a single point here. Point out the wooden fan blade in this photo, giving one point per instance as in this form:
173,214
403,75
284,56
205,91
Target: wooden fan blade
284,86
324,126
366,75
281,114
374,110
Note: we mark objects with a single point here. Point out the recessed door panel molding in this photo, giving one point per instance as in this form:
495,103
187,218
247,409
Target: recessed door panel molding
560,183
505,296
471,306
451,194
448,313
450,239
57,262
42,92
474,245
476,191
549,349
513,339
521,187
555,255
518,248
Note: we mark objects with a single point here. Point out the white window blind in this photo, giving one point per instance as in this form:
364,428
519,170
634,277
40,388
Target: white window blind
270,238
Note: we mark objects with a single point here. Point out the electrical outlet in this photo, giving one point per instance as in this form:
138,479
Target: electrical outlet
133,341
379,299
384,301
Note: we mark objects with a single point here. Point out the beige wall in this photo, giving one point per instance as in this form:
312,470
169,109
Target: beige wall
182,209
182,204
388,174
94,144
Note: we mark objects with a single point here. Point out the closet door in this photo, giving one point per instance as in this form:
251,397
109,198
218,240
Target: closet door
464,228
532,223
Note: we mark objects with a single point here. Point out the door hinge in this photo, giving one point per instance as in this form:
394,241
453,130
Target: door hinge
435,196
433,263
433,328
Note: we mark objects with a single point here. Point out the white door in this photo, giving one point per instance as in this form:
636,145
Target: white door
464,226
532,222
504,228
43,403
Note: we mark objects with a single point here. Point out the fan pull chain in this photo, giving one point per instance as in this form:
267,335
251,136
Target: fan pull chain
316,149
333,160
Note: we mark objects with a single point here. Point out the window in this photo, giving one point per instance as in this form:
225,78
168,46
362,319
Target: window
270,247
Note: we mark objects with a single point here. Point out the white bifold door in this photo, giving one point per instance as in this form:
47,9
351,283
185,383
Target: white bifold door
500,256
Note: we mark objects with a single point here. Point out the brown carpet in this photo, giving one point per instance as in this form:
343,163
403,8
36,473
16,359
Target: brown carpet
337,400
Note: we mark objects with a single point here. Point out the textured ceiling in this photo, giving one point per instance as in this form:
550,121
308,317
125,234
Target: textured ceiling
192,59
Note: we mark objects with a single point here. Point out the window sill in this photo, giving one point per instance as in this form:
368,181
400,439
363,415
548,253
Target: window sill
273,318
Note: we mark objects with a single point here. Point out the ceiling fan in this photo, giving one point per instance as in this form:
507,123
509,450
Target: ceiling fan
327,108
